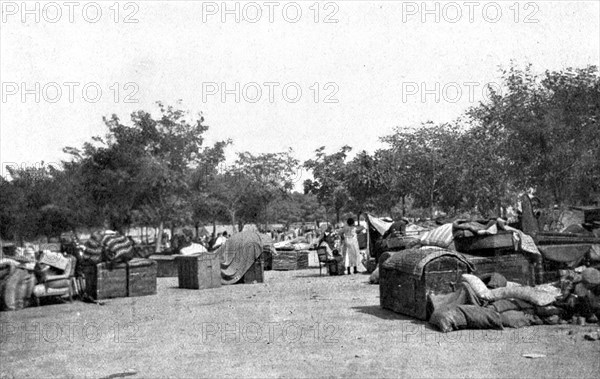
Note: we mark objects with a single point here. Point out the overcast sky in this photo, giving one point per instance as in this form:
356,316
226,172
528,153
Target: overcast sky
371,66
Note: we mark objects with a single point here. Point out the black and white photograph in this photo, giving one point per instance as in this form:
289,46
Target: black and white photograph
299,189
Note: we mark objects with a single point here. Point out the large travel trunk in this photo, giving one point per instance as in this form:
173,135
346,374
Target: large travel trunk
103,281
166,265
408,277
141,277
199,271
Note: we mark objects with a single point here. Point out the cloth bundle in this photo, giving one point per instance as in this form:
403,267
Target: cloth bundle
108,247
475,306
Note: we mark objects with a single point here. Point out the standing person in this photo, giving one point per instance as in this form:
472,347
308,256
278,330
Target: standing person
350,247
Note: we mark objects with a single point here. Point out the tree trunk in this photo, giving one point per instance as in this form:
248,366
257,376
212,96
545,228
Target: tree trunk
403,205
232,215
214,232
159,238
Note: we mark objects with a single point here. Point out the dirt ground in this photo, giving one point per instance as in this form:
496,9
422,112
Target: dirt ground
296,324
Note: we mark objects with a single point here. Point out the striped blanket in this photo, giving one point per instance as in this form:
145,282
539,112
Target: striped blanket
108,247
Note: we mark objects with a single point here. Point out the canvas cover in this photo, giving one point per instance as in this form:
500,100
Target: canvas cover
238,254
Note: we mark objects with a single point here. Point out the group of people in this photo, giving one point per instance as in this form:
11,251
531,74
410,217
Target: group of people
348,247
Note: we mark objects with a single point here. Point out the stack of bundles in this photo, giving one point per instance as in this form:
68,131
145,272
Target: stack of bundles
482,237
494,305
286,260
108,247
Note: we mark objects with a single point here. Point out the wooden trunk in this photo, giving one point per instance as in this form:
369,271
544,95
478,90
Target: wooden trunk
104,283
199,271
166,265
402,291
514,267
485,245
255,273
141,277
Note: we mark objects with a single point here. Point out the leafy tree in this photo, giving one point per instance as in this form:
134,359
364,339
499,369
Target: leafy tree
329,172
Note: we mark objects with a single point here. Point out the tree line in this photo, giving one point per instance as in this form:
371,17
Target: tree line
537,132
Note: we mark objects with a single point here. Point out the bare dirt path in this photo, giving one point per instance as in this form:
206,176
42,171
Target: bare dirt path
296,324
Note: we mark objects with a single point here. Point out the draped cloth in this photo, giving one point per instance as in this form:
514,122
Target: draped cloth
238,254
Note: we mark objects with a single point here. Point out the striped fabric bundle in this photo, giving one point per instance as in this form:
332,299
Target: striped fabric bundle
108,247
117,248
440,236
93,248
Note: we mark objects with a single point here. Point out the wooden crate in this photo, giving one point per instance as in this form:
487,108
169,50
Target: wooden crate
485,245
255,273
141,277
199,271
514,267
104,282
166,267
403,291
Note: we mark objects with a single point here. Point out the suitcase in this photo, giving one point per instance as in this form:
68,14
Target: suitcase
407,278
104,282
199,271
141,277
255,273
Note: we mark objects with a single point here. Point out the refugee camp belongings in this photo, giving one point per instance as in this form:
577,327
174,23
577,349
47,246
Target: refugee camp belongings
590,213
166,265
105,281
255,273
141,277
56,260
407,278
199,271
514,267
16,289
336,266
290,260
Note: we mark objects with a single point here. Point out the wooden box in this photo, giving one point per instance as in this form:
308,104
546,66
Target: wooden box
408,277
514,267
105,282
166,267
485,245
255,273
199,271
141,277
